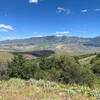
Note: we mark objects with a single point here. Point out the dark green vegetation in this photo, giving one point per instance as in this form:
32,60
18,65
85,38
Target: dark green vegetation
59,68
38,53
43,53
96,65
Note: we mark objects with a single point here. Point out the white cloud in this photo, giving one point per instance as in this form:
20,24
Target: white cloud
37,34
8,27
10,38
63,10
5,28
98,9
60,9
68,11
82,31
64,33
33,1
84,11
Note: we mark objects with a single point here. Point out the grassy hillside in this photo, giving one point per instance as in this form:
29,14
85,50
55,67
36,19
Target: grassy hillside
64,71
5,57
86,60
17,89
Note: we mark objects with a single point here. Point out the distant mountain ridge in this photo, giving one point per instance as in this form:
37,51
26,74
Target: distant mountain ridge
36,40
63,43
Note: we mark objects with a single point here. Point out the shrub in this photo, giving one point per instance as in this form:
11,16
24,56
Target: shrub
21,68
87,77
95,63
56,68
73,72
96,67
3,72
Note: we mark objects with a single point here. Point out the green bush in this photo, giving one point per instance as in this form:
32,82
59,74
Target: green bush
62,68
3,72
95,65
73,72
21,68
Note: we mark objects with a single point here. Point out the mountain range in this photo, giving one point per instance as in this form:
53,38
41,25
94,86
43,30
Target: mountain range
70,44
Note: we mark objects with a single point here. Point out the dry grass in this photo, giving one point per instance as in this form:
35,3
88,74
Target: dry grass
16,89
85,61
5,57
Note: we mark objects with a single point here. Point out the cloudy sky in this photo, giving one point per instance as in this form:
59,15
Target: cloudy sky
27,18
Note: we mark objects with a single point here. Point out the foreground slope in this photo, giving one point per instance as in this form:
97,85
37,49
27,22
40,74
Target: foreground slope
17,89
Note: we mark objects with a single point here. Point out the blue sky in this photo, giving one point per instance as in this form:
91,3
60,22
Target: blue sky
28,18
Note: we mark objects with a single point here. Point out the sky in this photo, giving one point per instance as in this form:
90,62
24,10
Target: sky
30,18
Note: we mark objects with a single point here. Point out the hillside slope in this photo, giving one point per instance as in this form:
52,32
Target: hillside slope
17,89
